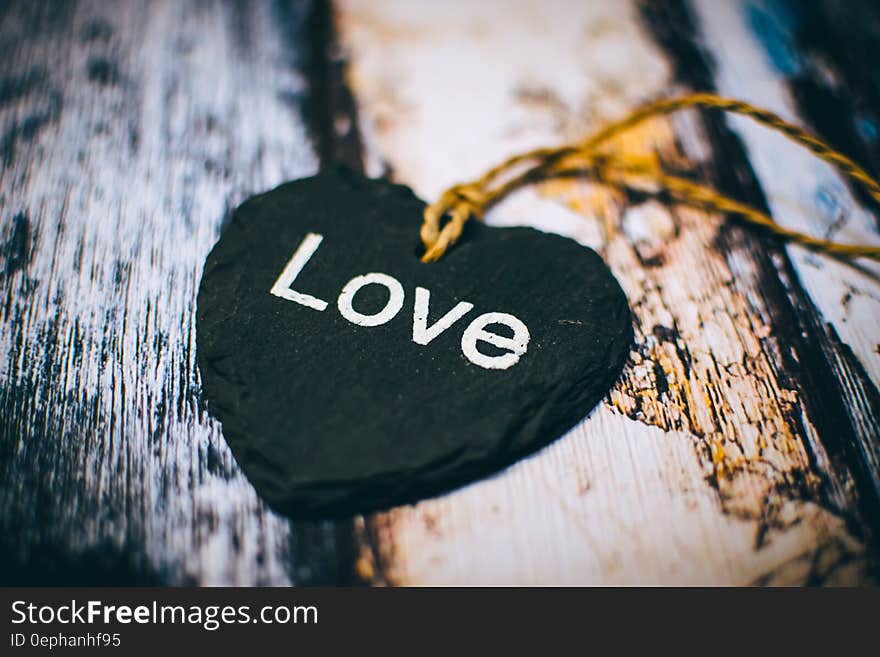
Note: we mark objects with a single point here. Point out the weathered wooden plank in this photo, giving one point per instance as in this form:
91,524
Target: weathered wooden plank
767,52
738,447
128,132
710,462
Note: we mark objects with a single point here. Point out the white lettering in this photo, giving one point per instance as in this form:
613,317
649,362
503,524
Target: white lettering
421,333
476,332
392,307
292,269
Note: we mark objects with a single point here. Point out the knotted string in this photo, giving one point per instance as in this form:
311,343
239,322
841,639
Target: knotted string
588,158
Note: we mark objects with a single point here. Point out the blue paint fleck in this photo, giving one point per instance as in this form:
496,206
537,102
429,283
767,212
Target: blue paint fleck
773,23
867,128
827,198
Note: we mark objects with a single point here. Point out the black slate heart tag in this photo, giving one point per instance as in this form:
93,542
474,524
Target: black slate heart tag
349,376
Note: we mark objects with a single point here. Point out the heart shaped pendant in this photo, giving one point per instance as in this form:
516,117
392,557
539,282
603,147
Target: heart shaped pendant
349,376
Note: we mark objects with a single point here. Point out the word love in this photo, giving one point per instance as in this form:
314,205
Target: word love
477,331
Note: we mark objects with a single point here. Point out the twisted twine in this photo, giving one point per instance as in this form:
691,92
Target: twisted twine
587,158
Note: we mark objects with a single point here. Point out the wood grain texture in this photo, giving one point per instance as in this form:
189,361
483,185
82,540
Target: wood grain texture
730,451
129,130
741,444
769,51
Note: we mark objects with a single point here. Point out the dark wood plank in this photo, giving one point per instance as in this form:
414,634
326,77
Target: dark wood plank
843,402
127,132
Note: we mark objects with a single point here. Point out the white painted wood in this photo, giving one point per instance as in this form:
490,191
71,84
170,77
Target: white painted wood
446,90
126,189
804,193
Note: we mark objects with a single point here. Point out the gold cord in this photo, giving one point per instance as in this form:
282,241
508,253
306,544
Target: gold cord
587,158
